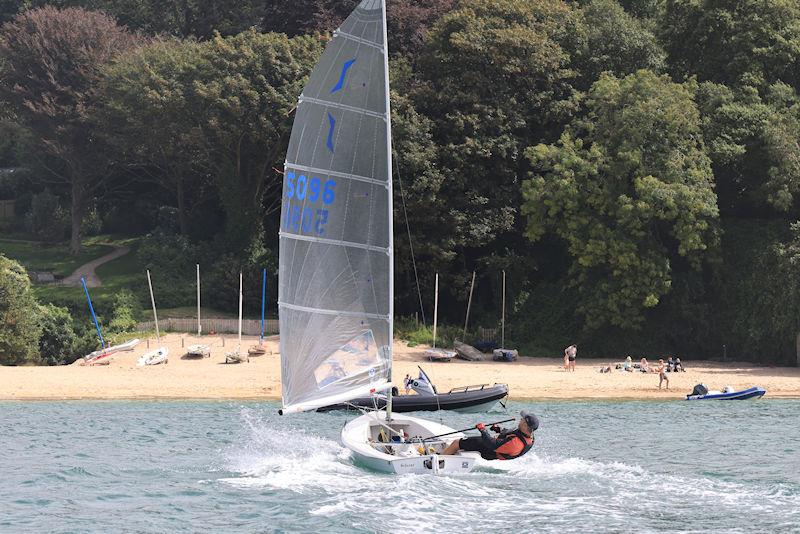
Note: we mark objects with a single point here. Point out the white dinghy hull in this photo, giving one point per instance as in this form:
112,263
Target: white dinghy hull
362,437
154,357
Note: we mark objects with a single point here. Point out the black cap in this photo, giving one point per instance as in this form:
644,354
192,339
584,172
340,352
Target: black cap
532,420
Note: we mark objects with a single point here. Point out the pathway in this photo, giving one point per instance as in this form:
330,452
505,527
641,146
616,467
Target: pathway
87,270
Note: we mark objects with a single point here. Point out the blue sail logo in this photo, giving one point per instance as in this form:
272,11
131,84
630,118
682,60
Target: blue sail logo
340,84
332,123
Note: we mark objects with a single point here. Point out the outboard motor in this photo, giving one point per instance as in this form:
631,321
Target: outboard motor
700,389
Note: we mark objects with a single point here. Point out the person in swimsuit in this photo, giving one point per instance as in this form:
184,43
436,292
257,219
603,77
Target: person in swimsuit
507,445
662,375
571,353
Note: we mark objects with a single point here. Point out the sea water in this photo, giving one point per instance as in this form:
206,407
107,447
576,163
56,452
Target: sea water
240,467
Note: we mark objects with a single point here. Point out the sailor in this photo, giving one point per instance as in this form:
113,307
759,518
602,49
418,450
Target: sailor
507,445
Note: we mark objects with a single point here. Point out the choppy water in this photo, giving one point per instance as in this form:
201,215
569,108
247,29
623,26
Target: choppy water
225,467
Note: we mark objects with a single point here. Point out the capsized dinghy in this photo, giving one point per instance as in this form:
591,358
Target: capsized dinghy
701,392
336,272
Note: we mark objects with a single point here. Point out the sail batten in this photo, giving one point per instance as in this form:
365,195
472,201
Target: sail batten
335,273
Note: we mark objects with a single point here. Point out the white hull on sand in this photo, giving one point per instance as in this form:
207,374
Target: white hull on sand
108,351
236,357
198,351
368,439
154,357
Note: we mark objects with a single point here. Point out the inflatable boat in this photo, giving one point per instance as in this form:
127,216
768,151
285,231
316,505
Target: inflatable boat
754,392
465,399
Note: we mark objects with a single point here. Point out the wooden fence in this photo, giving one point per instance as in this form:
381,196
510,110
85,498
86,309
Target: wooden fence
6,210
250,327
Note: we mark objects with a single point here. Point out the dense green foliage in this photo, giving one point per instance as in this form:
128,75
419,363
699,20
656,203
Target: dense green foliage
19,328
633,165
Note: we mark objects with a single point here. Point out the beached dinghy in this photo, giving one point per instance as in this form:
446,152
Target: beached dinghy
154,357
701,392
238,356
100,357
259,349
198,350
336,275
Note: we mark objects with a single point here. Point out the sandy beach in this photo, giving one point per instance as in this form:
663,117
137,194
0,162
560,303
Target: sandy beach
210,378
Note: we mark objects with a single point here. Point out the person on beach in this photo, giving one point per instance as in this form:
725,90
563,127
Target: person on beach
506,445
662,375
627,366
570,353
644,366
679,366
407,383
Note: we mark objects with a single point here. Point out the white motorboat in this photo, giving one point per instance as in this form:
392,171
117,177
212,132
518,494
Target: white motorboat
154,357
336,265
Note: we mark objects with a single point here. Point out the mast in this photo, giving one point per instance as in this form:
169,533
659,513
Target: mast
390,207
153,302
199,329
435,308
503,319
94,316
238,348
469,304
263,299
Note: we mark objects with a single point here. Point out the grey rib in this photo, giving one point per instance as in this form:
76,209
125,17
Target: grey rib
333,312
343,107
337,242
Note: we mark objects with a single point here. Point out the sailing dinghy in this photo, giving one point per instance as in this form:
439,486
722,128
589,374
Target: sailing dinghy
161,354
198,350
259,349
336,274
237,356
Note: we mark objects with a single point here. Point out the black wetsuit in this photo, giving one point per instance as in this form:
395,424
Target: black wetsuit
488,446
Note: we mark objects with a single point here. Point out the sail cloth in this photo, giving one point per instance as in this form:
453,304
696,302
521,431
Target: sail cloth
335,277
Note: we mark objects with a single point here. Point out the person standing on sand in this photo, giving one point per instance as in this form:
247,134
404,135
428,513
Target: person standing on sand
662,375
570,353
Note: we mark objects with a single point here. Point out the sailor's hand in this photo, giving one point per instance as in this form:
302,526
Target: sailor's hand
480,426
495,428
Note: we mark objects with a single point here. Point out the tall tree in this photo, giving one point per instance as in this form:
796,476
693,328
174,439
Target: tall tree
50,64
629,188
736,43
151,115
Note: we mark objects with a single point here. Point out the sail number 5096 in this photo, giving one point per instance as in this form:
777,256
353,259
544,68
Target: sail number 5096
301,187
304,218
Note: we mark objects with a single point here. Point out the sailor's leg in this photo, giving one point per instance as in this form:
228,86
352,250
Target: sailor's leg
452,448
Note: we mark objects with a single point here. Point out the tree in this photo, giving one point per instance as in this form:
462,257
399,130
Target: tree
742,43
58,341
50,63
151,116
629,189
19,323
616,42
244,101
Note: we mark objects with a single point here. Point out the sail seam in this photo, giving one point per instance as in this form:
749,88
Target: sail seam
360,40
344,107
337,174
337,242
326,311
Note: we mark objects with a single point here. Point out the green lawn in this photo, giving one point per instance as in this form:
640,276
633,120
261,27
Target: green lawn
55,258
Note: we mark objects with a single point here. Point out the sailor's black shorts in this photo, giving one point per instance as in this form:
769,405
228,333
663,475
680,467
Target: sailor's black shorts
476,444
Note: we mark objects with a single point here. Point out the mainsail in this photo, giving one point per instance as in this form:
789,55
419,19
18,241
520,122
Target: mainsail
336,259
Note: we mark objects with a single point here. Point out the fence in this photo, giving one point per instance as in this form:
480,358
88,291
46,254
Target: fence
250,327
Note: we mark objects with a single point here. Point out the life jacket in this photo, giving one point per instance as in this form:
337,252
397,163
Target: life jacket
515,446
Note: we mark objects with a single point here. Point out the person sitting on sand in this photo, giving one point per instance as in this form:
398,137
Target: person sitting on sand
670,364
507,445
678,366
662,375
644,366
627,366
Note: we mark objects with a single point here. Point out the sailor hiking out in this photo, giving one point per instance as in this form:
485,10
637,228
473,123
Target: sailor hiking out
506,445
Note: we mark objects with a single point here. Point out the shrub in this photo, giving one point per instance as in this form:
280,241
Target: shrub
126,312
58,341
19,325
47,219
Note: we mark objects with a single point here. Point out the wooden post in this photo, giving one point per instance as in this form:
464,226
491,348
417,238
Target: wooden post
469,304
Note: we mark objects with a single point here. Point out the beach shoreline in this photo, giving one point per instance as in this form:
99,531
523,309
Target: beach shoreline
529,379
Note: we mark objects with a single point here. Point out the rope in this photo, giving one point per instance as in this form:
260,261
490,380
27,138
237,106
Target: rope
410,243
